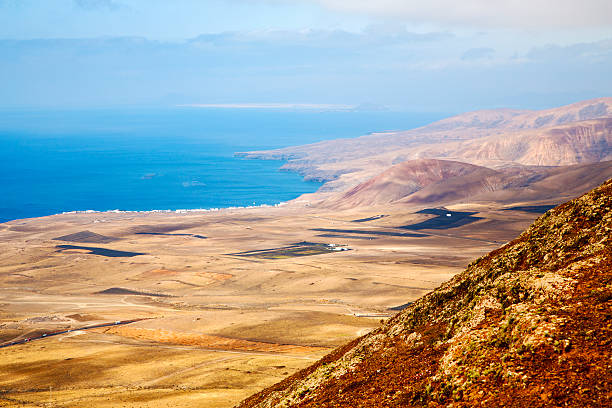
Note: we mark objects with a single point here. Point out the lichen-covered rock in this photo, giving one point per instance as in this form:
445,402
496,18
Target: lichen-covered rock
527,325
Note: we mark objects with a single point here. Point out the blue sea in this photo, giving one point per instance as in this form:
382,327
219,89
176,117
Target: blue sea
54,161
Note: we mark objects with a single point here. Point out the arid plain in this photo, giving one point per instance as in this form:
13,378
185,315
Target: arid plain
219,325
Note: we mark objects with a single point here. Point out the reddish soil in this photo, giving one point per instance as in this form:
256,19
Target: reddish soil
570,367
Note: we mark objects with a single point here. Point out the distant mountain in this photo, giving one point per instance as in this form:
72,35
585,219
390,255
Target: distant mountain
516,184
578,142
511,119
573,134
527,325
442,182
404,179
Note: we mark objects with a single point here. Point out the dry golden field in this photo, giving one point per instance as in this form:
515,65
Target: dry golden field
232,301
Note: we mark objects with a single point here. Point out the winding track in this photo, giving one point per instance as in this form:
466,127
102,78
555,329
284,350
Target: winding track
57,333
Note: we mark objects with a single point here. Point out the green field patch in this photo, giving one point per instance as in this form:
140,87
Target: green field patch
294,250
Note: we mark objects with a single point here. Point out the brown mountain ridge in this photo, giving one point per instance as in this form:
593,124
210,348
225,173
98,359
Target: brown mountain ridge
579,133
527,325
406,178
443,182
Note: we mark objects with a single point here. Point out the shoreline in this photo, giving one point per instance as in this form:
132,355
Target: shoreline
177,211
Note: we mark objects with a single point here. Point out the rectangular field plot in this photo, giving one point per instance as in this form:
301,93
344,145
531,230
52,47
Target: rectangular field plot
294,250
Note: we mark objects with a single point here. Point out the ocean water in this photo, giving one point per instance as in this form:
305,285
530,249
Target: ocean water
54,161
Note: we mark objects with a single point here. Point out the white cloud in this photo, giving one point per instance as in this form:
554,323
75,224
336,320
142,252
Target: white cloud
398,68
485,13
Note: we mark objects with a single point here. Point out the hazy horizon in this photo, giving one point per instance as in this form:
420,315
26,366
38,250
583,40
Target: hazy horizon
397,55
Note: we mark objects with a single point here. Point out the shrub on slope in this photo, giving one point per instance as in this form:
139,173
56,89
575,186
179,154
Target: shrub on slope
526,325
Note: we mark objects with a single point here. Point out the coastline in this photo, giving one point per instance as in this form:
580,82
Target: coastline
177,211
169,212
189,178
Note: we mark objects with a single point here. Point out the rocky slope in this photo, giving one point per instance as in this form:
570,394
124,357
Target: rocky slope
527,325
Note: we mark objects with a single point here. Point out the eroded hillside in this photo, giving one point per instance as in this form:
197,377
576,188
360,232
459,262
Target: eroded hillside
579,133
526,325
443,182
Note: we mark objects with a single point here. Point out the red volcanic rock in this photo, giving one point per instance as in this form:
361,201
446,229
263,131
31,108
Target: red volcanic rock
527,325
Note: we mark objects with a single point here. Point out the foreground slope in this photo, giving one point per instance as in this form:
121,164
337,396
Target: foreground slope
526,325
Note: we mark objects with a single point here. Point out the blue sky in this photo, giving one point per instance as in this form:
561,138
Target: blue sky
439,55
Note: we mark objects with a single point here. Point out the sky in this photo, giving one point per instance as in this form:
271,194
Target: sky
434,56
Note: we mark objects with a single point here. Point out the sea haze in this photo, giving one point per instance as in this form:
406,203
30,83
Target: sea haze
161,159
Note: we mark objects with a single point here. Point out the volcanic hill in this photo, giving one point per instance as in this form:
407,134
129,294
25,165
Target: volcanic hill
527,325
409,177
443,182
